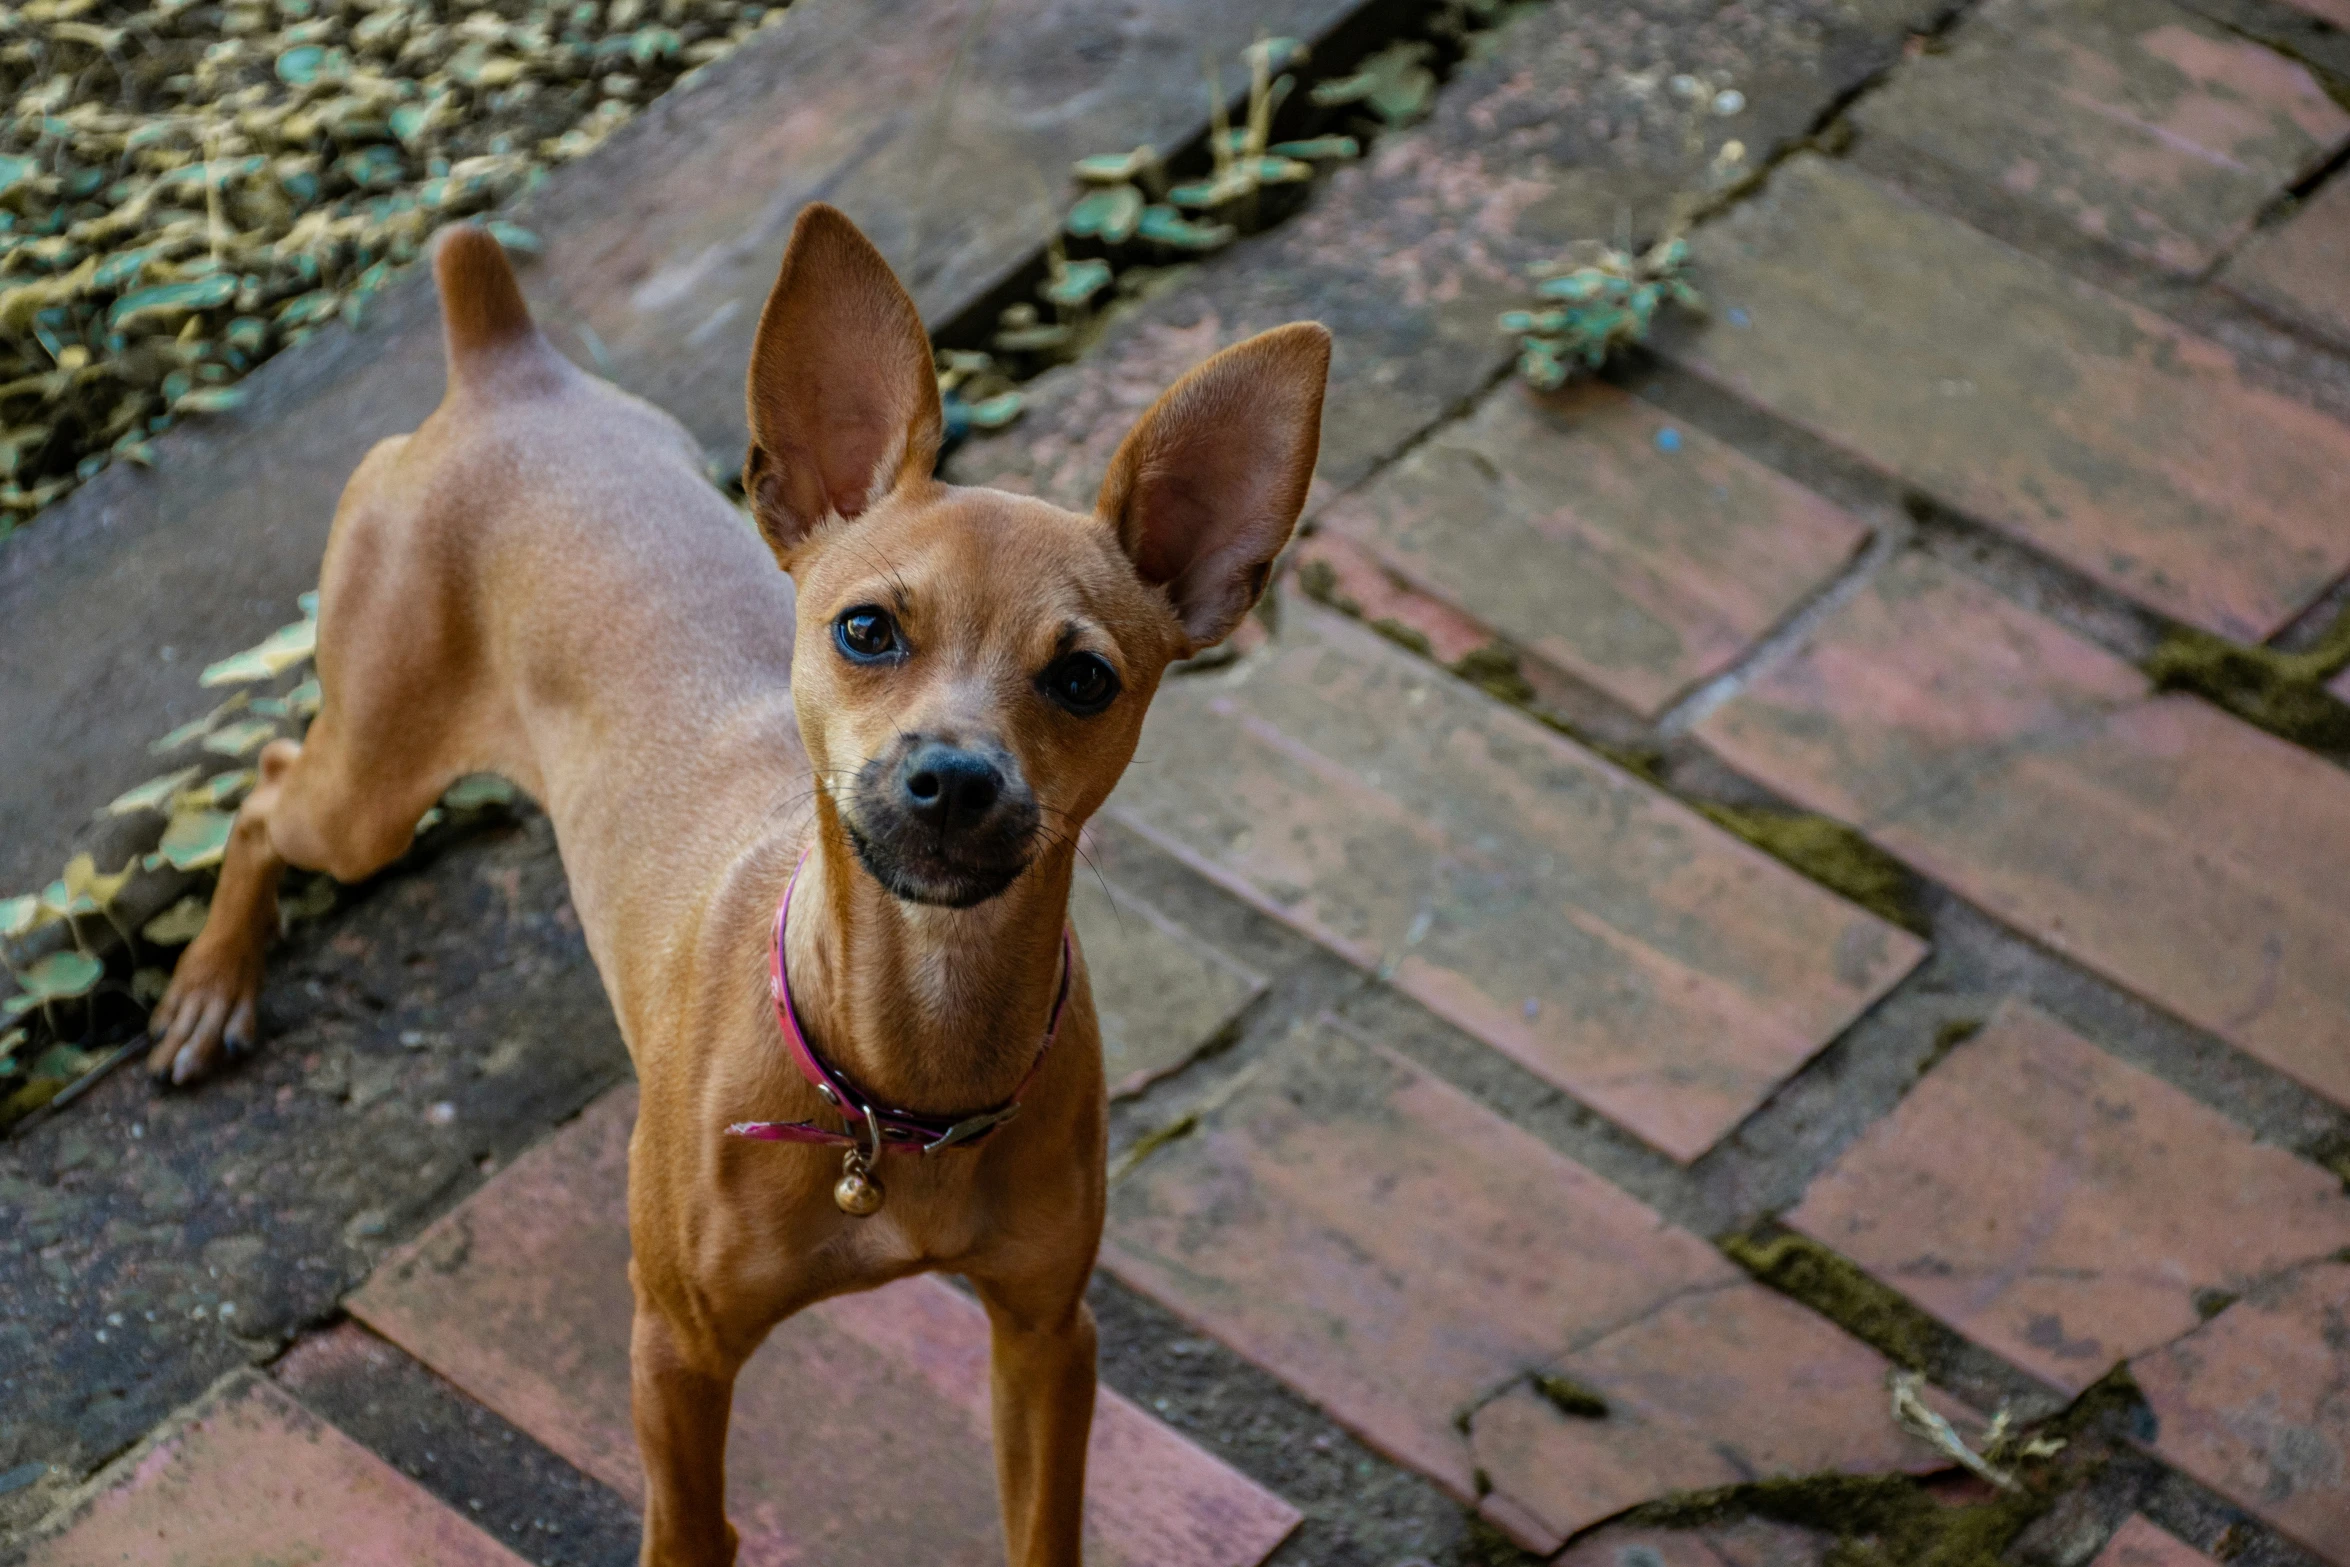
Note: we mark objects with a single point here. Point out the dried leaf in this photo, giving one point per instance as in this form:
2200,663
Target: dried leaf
196,728
153,795
216,793
241,738
208,400
271,657
61,976
195,840
178,925
22,915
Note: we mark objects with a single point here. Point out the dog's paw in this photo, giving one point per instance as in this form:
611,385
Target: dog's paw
208,1013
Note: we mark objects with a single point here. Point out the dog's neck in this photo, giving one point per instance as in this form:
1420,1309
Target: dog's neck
930,1009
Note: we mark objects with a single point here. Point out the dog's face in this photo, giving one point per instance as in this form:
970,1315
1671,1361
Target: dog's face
972,667
971,674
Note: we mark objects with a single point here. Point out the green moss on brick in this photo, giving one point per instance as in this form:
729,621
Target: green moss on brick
1570,1397
1405,636
1830,853
1494,670
1801,1267
2284,693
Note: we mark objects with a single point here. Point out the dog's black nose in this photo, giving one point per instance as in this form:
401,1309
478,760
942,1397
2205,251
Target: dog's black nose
948,788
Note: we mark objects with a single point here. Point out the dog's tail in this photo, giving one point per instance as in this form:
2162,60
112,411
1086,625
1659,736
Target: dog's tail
482,313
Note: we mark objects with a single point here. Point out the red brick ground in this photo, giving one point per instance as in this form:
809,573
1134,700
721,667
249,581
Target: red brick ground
250,1476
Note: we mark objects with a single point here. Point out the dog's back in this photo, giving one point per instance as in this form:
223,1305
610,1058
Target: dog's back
540,582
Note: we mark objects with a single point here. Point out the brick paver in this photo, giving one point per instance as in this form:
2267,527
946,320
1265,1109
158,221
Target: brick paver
2188,856
2085,426
521,1298
2062,1208
1605,936
1161,993
1403,1255
2296,269
2252,1405
250,1476
1593,529
2138,1543
2136,120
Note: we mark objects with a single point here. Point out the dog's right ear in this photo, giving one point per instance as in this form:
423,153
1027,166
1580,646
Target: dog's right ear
844,401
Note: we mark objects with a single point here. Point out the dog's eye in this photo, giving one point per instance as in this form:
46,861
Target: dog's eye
1084,683
866,633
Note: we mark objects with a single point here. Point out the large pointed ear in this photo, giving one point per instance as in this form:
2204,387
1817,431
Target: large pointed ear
843,399
1207,486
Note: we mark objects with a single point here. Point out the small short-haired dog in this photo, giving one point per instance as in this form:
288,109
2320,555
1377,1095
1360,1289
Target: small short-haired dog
834,1010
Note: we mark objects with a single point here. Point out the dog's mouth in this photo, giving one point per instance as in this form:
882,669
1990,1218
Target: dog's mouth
935,874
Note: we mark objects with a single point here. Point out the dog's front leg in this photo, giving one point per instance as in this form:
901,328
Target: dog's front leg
681,1393
1041,1374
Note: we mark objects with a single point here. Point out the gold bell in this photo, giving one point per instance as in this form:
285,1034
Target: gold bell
856,1193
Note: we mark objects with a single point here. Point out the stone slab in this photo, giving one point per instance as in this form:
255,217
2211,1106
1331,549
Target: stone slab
2139,122
1564,129
1599,933
1594,530
2084,426
521,1298
2297,269
249,1476
2062,1208
660,248
1408,1259
2183,854
2251,1405
2138,1543
1162,994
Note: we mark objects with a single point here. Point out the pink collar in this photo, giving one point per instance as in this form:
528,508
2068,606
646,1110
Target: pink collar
873,1126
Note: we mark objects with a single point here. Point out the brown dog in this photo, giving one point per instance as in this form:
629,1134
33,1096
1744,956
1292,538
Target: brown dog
540,583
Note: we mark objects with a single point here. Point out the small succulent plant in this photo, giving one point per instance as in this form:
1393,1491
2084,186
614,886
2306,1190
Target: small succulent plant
1593,304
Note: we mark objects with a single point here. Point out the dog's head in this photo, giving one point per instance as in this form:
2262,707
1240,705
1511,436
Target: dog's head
972,666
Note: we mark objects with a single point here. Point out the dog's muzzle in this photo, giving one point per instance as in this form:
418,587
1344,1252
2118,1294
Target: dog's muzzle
941,823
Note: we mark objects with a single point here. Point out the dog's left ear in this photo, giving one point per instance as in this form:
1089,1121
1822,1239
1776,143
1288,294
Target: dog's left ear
1207,486
843,398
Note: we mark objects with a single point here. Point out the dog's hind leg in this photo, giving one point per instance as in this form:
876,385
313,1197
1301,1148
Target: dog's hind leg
1041,1375
309,811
